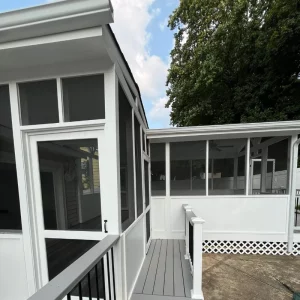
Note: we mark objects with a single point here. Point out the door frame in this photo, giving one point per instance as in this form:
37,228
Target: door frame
39,233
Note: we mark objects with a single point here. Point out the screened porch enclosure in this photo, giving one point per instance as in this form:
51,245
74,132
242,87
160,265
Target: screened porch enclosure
231,175
219,167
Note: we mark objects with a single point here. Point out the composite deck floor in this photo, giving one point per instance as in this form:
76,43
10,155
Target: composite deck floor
165,273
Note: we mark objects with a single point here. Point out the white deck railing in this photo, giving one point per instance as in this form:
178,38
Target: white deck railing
193,247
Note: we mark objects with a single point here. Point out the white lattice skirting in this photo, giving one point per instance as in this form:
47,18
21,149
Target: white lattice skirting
249,247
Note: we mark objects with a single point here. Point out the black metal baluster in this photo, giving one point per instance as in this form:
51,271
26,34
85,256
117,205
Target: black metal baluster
89,285
97,282
103,277
191,242
108,274
113,271
296,210
80,290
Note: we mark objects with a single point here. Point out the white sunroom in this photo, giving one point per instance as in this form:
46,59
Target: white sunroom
86,185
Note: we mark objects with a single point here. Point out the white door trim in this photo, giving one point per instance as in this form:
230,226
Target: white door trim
36,214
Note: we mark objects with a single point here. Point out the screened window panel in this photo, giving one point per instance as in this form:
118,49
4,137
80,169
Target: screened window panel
138,166
146,177
227,167
56,250
158,169
144,142
10,215
84,98
71,198
188,168
126,160
269,170
38,101
148,228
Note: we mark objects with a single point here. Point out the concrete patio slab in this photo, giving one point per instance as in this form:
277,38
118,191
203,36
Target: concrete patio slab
250,277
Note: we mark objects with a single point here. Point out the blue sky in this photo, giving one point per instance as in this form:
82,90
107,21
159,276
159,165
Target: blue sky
142,32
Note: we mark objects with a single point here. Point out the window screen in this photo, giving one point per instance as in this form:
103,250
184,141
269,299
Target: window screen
38,101
188,168
158,169
126,160
83,98
269,165
227,167
146,178
138,166
10,215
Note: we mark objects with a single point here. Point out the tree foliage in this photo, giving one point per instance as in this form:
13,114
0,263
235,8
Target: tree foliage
234,61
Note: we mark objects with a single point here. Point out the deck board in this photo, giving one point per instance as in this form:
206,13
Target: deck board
187,277
139,287
178,277
150,280
165,274
160,275
169,276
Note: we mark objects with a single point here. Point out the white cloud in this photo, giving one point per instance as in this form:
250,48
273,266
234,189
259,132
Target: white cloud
131,20
159,112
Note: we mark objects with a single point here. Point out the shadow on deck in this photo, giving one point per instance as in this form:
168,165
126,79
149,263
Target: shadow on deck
165,273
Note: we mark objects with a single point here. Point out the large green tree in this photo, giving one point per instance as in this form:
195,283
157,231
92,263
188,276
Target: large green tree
234,61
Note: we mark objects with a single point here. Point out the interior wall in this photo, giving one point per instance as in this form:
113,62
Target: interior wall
257,218
13,281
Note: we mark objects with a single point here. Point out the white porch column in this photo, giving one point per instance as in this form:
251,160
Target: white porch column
206,167
264,165
32,271
293,154
196,292
110,182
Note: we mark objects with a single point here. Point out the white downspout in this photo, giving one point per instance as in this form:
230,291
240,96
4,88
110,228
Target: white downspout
292,190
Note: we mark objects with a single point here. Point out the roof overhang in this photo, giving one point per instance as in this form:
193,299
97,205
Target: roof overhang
52,18
243,130
54,38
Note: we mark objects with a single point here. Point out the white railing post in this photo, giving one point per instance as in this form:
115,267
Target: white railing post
187,250
197,293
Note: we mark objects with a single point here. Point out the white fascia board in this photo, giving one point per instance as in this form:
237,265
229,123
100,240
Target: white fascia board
242,130
53,18
54,38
